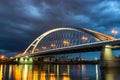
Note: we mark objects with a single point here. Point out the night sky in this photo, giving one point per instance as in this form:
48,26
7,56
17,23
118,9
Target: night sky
21,21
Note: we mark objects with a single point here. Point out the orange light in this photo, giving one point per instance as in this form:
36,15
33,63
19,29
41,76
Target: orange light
44,47
66,42
52,76
52,45
2,56
36,50
114,32
84,38
43,75
66,77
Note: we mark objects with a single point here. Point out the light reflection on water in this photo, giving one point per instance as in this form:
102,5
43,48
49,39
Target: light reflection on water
57,72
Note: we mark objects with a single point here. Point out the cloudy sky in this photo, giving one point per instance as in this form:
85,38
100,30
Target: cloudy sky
21,21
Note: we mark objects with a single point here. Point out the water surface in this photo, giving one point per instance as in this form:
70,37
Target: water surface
57,72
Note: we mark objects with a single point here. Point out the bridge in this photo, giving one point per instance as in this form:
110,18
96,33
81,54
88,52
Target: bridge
67,40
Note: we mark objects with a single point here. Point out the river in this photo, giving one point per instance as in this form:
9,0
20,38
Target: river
57,72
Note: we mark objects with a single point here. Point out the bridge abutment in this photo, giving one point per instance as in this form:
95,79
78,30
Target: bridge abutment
107,57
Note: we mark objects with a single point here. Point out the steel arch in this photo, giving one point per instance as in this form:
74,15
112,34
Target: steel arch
97,35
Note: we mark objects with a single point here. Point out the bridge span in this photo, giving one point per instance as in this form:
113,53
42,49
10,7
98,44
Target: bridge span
89,47
66,40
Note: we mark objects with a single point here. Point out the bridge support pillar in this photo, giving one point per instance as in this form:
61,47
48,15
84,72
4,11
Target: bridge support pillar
26,60
16,59
21,60
30,60
107,57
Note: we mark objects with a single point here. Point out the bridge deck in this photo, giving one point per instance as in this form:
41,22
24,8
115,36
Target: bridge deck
96,46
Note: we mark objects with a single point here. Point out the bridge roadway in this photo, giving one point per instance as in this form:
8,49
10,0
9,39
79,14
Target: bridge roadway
88,47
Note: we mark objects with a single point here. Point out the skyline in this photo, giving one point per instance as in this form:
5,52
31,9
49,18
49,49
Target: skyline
22,21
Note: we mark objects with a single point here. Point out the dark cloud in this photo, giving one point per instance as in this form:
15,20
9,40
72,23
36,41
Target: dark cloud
21,21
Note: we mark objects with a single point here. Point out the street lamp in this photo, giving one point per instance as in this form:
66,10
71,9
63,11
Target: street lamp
36,50
84,38
44,47
66,42
114,32
53,45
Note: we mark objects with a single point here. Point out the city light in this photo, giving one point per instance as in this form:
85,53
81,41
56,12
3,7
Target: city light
84,38
53,45
114,32
66,42
44,47
2,56
36,50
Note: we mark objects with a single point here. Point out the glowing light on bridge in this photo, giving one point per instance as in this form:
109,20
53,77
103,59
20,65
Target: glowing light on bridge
36,50
66,42
84,38
114,32
44,47
53,45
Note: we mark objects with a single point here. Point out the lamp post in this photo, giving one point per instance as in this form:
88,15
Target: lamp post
84,38
66,42
114,32
53,45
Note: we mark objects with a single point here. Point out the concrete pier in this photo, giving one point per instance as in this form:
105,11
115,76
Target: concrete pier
108,59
